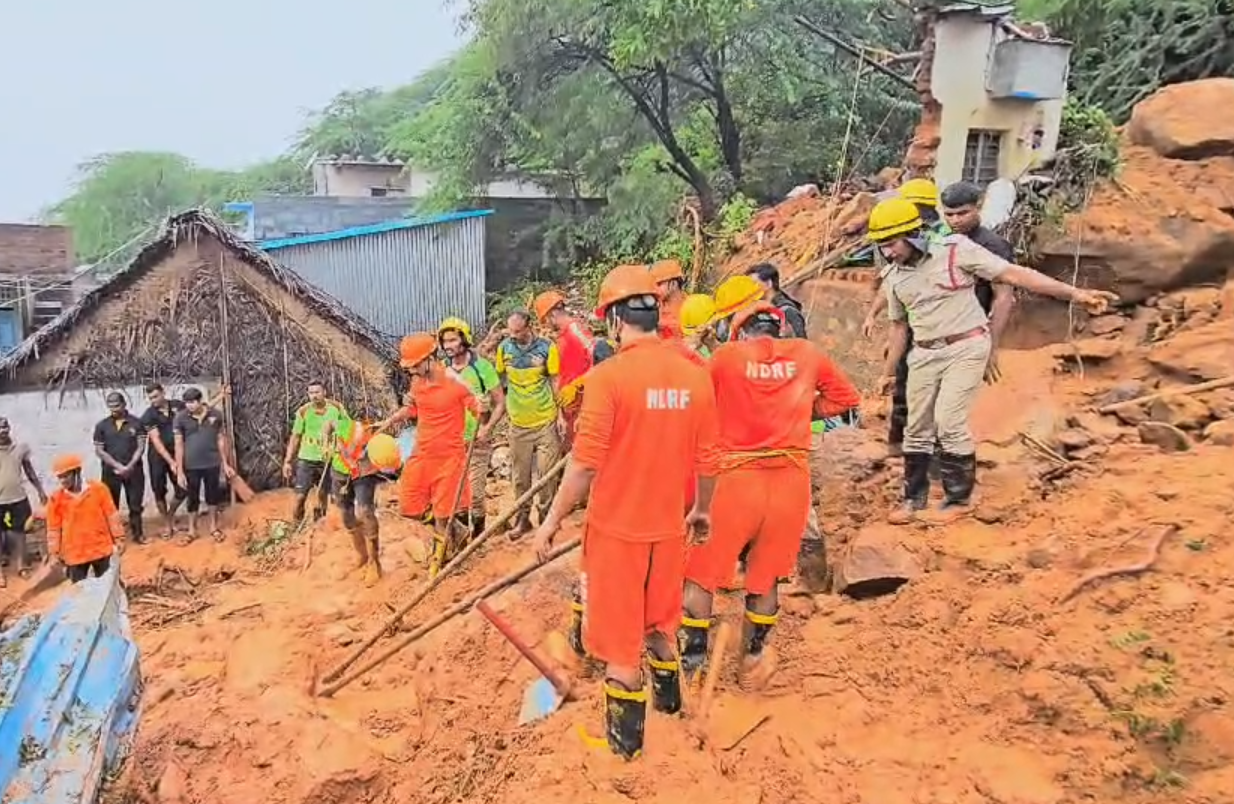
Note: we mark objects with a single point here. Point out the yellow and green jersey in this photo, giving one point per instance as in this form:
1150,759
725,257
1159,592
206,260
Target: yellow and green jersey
529,370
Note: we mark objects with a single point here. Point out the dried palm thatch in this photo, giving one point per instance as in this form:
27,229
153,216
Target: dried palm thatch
198,303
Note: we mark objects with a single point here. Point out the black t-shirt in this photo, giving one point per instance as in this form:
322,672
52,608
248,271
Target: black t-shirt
156,420
119,437
201,438
997,245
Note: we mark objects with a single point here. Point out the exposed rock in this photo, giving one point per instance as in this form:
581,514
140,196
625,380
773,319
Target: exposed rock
1184,412
1073,439
1192,300
1089,453
1220,403
1166,436
1178,121
1123,392
1205,353
1132,416
1105,324
1089,349
1101,429
875,563
1220,433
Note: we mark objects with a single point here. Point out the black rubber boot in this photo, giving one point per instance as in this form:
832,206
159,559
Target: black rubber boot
297,513
665,685
916,486
757,629
575,637
625,719
812,565
959,474
692,645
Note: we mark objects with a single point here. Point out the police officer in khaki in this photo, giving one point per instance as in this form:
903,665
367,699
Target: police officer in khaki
930,286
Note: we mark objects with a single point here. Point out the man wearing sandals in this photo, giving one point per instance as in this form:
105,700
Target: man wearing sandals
201,450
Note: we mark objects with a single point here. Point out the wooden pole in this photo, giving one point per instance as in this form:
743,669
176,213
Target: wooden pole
447,615
447,570
1198,388
228,408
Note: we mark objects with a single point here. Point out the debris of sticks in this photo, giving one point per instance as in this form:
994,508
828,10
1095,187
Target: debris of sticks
1186,390
1150,558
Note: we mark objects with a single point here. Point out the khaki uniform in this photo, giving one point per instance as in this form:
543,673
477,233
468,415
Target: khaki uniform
951,340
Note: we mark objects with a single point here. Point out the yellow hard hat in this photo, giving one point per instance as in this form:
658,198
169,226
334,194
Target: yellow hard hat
920,191
697,311
892,218
735,293
383,452
458,325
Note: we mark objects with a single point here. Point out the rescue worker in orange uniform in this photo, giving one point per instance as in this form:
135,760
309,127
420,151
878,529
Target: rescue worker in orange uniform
575,351
670,280
355,484
648,423
766,388
83,524
439,403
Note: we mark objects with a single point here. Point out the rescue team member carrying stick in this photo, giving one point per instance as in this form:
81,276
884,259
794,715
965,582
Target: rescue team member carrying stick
454,336
648,423
575,353
929,286
765,388
83,524
307,450
440,401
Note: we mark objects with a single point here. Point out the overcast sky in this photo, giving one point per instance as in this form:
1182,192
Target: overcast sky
226,82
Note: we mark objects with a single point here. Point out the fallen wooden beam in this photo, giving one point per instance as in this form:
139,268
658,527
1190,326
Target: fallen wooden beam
1185,390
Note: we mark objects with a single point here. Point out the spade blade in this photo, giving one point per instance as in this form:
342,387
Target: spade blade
540,700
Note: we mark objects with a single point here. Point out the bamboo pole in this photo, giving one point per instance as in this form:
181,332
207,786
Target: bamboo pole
459,608
1198,388
447,570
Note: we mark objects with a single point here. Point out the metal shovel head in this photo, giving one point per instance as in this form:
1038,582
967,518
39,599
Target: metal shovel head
540,700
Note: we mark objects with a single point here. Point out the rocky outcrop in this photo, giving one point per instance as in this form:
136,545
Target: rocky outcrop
1166,222
1198,355
1179,121
875,563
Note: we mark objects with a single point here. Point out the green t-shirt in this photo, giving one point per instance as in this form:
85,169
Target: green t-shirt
481,377
309,423
342,432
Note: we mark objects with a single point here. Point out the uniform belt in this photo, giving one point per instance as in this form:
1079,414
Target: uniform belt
735,460
947,340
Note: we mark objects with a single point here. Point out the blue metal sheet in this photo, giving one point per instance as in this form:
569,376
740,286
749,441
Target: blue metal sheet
69,696
373,228
10,330
401,279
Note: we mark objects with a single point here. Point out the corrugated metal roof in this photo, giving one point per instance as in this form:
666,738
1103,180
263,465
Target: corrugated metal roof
402,276
371,229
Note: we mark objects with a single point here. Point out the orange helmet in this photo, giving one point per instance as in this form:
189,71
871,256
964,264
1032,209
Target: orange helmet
416,348
667,271
546,302
743,316
624,282
63,464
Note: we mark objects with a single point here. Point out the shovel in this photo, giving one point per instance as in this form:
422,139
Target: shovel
543,696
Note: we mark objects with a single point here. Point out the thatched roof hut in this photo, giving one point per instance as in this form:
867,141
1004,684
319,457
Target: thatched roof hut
200,305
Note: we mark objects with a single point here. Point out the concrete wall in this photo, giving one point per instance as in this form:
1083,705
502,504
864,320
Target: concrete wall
29,249
357,181
964,48
515,241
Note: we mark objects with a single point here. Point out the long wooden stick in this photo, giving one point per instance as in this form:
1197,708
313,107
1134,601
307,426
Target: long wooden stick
447,615
1198,388
1150,558
445,571
559,682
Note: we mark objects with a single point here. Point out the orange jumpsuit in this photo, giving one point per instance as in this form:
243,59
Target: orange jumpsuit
647,425
439,462
765,393
575,347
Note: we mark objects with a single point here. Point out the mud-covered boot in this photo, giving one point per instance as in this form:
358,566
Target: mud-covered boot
812,570
759,661
575,635
692,645
665,685
359,544
959,474
438,558
625,719
372,569
916,487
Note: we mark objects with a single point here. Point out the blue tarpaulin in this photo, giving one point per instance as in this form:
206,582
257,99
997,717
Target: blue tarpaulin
69,696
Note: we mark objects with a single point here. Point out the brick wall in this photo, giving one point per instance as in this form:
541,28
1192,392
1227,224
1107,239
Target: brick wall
29,249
